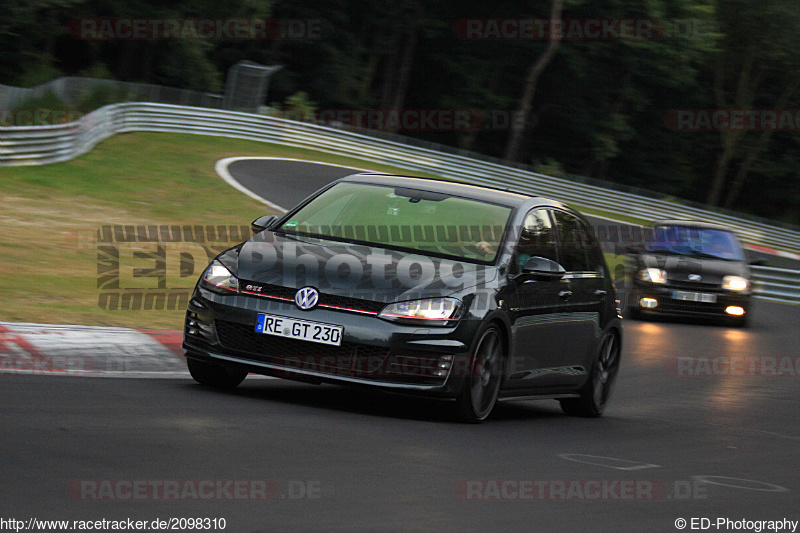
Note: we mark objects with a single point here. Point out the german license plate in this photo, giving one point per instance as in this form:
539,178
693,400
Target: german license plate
694,296
305,330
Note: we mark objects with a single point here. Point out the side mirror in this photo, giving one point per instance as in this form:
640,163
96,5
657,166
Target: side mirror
759,262
544,269
262,223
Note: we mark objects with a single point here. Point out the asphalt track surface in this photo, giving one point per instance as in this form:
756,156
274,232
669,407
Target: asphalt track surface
698,425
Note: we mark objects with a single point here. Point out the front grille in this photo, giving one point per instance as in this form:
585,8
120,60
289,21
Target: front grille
351,303
347,302
349,359
693,285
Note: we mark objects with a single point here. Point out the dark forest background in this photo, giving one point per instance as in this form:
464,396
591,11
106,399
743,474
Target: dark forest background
594,108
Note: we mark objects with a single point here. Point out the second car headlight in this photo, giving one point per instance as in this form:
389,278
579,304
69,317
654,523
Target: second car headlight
735,283
653,275
219,279
433,311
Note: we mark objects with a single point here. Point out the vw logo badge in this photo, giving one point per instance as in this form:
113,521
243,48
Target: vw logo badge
306,298
695,277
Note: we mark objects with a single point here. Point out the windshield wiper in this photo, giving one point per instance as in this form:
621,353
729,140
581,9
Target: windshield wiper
326,239
667,252
293,236
695,253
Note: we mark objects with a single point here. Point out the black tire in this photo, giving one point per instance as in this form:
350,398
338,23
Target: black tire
214,375
482,383
595,393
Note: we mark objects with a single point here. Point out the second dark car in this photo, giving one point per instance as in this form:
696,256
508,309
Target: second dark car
419,286
689,268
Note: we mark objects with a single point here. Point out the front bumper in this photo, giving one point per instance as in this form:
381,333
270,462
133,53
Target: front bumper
664,295
373,352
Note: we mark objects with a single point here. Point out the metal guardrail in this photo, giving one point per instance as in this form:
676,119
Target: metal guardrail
777,284
30,145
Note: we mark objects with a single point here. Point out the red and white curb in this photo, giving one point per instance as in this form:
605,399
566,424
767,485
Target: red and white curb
772,251
90,351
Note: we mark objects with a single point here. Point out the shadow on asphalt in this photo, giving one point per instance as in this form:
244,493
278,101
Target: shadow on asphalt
384,405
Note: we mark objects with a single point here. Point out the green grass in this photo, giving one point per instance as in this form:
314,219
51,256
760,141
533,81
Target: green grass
148,165
51,213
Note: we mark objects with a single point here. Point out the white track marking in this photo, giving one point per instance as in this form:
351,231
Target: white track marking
607,462
221,168
740,483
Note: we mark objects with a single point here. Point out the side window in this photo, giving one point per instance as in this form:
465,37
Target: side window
536,238
575,243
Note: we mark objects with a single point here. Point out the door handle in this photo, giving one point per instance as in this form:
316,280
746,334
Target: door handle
565,294
600,292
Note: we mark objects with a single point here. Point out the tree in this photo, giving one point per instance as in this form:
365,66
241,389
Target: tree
759,51
534,73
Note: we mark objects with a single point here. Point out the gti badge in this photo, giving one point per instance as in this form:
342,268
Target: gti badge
306,298
695,277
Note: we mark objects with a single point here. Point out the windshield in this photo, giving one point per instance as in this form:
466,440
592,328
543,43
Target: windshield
701,242
412,219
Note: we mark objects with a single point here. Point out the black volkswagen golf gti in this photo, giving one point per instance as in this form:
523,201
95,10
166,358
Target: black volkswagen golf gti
415,285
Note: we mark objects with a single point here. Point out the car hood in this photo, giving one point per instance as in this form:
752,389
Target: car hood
353,270
680,267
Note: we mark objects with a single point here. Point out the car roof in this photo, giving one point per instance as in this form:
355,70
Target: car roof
693,224
477,192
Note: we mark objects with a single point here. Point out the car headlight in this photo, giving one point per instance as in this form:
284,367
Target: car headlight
219,278
735,283
429,312
653,275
